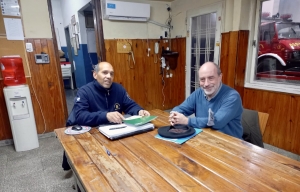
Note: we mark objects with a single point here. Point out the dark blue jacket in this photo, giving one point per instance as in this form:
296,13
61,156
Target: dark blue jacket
93,102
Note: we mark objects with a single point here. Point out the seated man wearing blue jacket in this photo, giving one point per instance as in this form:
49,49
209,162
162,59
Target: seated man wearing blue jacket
215,105
102,101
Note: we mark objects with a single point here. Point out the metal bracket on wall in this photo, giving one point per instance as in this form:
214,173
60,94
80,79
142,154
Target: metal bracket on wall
254,43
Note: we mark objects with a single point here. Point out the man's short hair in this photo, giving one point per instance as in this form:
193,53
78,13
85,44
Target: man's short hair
218,69
96,68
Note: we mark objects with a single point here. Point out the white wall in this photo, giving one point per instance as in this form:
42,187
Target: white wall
58,22
179,12
35,18
62,11
235,17
245,15
138,30
236,14
117,29
70,8
82,30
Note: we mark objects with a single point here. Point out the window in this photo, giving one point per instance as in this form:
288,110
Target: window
274,62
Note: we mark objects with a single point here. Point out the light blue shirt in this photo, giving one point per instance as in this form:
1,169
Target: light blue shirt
226,105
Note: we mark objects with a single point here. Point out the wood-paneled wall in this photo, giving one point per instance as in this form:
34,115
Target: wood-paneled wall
233,59
48,85
144,81
282,128
47,92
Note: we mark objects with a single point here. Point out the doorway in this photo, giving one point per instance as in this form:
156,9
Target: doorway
85,54
203,39
69,54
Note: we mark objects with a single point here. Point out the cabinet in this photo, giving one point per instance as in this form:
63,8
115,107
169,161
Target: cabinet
67,72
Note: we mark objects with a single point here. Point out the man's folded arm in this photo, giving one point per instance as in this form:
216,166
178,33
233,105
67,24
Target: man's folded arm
198,122
187,108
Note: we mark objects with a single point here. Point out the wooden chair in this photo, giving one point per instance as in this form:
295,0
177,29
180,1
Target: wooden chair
263,119
254,125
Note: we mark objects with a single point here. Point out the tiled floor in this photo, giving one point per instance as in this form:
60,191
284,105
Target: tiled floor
40,169
34,170
282,152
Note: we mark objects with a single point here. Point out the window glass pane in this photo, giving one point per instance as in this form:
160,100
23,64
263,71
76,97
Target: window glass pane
278,58
203,32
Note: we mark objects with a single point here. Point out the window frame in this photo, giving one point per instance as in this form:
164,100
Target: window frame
250,82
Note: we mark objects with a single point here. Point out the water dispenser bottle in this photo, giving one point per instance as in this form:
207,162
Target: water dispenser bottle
18,103
12,70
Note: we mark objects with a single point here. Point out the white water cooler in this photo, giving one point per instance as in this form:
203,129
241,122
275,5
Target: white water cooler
21,117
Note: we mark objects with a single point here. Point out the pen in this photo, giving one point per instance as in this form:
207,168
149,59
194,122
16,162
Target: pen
120,127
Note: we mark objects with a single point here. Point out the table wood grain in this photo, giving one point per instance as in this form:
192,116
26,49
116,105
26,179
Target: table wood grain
211,161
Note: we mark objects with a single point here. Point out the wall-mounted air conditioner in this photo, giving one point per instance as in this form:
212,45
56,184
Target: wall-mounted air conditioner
125,11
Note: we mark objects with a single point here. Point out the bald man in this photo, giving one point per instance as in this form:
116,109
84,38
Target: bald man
102,101
215,105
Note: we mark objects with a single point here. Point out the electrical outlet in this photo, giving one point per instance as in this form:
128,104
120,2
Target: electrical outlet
29,47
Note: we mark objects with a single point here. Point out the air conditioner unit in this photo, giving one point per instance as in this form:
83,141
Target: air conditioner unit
125,11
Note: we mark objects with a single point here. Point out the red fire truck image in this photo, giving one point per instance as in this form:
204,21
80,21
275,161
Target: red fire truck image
279,49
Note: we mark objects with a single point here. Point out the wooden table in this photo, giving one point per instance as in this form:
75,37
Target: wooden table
211,161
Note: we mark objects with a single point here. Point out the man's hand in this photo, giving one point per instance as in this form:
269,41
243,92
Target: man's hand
177,118
114,117
143,113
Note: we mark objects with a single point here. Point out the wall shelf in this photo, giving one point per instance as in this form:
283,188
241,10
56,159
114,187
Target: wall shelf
171,58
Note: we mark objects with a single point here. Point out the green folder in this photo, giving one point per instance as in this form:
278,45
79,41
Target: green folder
139,121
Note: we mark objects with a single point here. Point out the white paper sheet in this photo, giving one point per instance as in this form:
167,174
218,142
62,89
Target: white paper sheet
14,29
